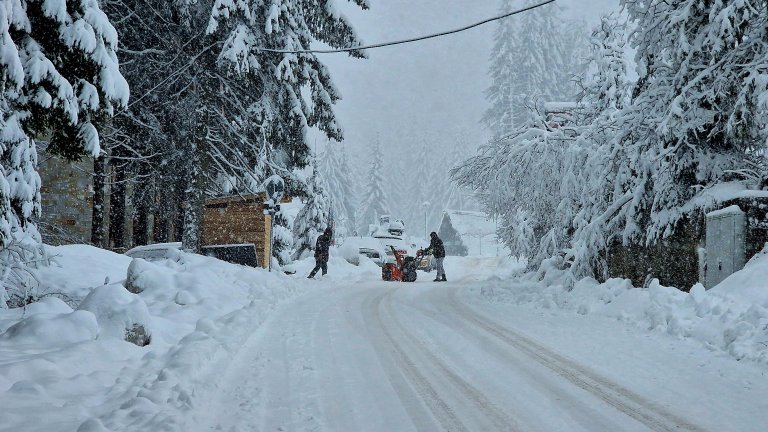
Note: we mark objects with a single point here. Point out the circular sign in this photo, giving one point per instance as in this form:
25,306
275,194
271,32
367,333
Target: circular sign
274,186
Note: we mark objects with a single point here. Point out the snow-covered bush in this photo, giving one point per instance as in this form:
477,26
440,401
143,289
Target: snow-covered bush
19,284
144,275
53,328
119,314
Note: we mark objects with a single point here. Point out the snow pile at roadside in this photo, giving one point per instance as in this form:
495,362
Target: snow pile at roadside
731,317
68,362
339,269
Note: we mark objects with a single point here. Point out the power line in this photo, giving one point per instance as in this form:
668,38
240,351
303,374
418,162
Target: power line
404,41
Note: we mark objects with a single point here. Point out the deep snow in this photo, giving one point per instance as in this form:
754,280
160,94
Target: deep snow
65,367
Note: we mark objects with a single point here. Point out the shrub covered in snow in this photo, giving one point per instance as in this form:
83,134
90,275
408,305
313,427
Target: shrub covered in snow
53,329
120,314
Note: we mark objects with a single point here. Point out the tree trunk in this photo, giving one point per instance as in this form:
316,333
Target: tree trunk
117,207
177,211
142,207
194,190
99,193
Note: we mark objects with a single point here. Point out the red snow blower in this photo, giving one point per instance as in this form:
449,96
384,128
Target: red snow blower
402,270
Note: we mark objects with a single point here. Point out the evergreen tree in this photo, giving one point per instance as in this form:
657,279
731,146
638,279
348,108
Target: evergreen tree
340,187
501,93
376,199
456,197
631,167
697,113
246,28
313,218
221,106
419,180
532,61
60,81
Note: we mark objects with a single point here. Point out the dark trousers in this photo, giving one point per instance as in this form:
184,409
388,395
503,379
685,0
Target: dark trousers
320,264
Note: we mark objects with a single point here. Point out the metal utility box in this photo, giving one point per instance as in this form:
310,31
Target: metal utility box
725,244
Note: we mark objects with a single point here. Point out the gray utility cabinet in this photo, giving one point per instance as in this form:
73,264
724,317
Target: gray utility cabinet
725,244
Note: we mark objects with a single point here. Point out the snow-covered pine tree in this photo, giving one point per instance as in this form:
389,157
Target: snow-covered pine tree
604,97
353,189
376,198
532,61
340,187
697,115
522,239
61,81
457,198
501,93
247,27
420,182
523,174
249,101
313,218
400,190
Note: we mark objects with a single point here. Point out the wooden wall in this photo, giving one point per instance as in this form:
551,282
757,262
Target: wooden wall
237,220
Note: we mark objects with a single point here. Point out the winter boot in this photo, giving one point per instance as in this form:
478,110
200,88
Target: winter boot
444,279
437,280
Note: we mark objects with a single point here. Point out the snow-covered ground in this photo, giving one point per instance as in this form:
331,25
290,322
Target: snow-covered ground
239,349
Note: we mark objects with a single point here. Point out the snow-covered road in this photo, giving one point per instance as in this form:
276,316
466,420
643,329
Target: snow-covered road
429,357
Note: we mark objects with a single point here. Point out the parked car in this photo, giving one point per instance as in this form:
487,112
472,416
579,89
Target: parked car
155,252
426,263
354,247
402,246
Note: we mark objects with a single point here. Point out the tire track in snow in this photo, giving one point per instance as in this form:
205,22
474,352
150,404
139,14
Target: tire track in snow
418,382
581,412
626,401
396,334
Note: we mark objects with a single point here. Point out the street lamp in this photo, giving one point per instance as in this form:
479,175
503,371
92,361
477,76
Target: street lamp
426,205
274,188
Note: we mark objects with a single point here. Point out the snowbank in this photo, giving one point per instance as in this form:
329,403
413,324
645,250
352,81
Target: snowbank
732,317
69,364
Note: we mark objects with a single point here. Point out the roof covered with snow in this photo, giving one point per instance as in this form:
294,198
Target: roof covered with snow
476,230
712,197
470,223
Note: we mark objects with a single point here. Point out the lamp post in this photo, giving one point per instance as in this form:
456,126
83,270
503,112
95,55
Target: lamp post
274,188
426,205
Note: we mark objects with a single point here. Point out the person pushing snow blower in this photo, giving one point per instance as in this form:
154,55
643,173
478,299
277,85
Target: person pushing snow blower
437,250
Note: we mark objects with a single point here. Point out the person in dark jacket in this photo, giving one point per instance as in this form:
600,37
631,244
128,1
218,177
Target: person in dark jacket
321,253
437,249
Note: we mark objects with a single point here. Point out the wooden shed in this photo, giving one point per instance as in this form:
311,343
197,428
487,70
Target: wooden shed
238,220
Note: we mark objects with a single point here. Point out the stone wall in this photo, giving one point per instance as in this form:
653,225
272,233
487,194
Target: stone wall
674,260
67,200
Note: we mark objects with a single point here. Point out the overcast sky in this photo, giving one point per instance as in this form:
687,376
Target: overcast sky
432,88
